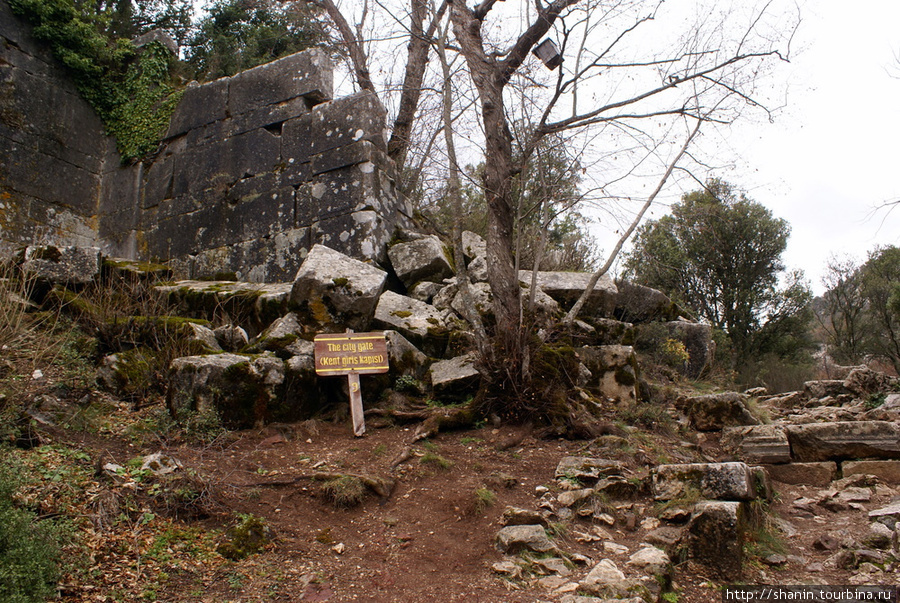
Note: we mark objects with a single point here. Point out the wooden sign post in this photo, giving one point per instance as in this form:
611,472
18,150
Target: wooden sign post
352,354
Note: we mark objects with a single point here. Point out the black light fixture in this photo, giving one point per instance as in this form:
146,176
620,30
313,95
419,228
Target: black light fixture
547,52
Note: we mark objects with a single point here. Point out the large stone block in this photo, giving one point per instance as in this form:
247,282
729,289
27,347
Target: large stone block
716,537
567,287
332,289
758,443
305,74
242,391
807,474
221,163
715,481
587,470
420,259
712,412
419,322
346,120
360,234
271,117
199,106
24,170
613,370
637,304
455,377
888,471
62,265
362,152
844,440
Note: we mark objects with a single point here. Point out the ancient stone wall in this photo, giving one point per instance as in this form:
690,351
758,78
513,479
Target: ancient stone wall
253,171
52,147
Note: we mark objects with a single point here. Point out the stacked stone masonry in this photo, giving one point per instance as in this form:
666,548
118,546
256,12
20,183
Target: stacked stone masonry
253,170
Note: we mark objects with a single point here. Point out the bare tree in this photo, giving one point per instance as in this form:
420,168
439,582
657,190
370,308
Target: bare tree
615,89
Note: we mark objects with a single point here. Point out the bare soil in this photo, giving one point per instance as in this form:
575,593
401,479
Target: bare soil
431,539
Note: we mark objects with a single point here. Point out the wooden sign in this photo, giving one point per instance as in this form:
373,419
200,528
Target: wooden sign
352,354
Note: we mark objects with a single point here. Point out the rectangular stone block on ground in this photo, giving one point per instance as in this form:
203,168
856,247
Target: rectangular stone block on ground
808,474
888,471
844,440
758,443
714,481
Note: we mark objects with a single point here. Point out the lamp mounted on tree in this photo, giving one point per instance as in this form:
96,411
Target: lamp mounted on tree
547,52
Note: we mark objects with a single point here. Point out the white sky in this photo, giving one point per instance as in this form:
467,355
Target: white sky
831,158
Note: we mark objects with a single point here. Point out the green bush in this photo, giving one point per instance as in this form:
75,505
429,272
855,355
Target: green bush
130,90
29,549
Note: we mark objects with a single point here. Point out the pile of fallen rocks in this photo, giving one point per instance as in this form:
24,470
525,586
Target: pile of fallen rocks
251,356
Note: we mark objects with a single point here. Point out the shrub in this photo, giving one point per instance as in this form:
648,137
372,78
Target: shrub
29,549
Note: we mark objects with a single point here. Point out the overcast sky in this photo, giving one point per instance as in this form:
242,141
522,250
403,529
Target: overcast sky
831,158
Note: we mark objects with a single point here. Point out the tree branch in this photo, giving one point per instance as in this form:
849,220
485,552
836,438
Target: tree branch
354,44
573,313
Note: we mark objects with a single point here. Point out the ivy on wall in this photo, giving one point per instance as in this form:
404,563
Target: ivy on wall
131,90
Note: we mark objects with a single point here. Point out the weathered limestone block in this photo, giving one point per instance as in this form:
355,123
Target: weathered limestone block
844,440
808,474
652,561
405,358
757,444
515,516
199,106
587,470
231,338
62,265
223,161
425,291
887,471
238,389
254,305
604,331
482,299
306,74
824,388
333,124
716,537
279,335
614,370
361,234
567,287
714,411
607,581
889,515
474,246
637,304
423,259
332,290
456,376
715,481
204,336
863,381
419,322
477,270
514,539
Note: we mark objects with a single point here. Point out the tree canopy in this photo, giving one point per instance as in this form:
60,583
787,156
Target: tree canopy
240,34
720,254
860,311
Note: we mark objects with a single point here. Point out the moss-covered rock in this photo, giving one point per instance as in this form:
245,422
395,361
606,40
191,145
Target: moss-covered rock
250,536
